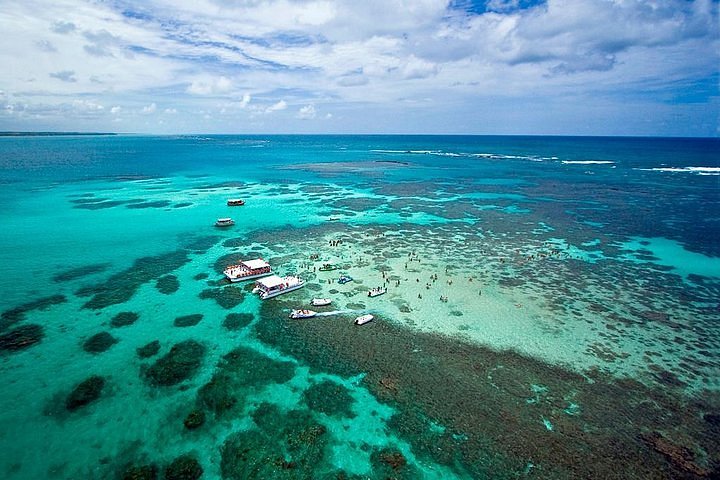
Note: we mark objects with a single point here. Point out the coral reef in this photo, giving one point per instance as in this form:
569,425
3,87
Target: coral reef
123,319
180,363
99,343
85,392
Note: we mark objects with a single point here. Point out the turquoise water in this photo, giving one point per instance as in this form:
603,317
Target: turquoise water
582,278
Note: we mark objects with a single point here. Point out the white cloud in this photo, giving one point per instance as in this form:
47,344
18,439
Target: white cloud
149,109
307,112
281,105
171,111
245,100
115,110
210,86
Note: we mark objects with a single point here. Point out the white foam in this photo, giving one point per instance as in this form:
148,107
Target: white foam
696,170
588,162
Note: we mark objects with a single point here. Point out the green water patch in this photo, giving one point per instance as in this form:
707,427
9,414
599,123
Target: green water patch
288,445
21,337
167,284
237,375
179,364
119,288
188,320
99,343
154,204
329,398
17,314
479,396
84,393
80,272
149,349
124,319
237,321
227,297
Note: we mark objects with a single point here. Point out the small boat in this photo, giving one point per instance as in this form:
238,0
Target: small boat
363,319
377,291
326,267
345,279
302,314
225,222
273,286
235,202
247,270
321,302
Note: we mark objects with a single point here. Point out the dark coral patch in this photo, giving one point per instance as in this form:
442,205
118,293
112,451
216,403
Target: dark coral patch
120,287
141,472
182,205
21,337
202,243
180,363
194,419
237,374
123,319
17,314
329,398
227,297
155,204
100,205
149,350
184,467
167,284
99,342
236,321
85,392
188,320
75,273
201,276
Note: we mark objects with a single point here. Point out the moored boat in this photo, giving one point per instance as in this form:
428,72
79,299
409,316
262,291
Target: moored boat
326,267
248,270
235,202
363,319
377,291
225,222
345,279
321,302
274,285
302,314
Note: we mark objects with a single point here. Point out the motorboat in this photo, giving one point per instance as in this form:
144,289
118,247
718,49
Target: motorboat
326,267
321,302
363,319
225,222
345,279
302,314
377,292
248,270
235,202
274,285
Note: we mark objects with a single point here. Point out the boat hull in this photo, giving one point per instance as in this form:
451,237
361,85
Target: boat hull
363,319
267,295
249,277
321,302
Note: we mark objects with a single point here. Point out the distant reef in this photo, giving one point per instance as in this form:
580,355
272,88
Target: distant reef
50,134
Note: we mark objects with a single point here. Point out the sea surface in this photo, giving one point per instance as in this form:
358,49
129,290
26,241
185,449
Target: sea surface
552,307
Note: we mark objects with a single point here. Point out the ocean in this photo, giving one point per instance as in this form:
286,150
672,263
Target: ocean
552,307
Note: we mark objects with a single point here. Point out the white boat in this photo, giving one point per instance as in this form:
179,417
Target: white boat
321,302
273,286
363,319
235,202
376,291
225,222
302,314
247,270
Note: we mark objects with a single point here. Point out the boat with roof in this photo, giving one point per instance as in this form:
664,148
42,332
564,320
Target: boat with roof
320,302
274,285
225,222
345,279
363,319
377,291
247,270
327,267
302,313
235,202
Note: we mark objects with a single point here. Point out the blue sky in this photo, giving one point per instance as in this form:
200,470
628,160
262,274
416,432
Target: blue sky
576,67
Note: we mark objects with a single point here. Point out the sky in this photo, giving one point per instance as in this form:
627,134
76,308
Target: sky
555,67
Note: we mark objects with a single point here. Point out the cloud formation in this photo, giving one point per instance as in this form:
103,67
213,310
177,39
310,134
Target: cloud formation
460,66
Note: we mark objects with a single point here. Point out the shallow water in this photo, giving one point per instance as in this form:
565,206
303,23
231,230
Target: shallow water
552,306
